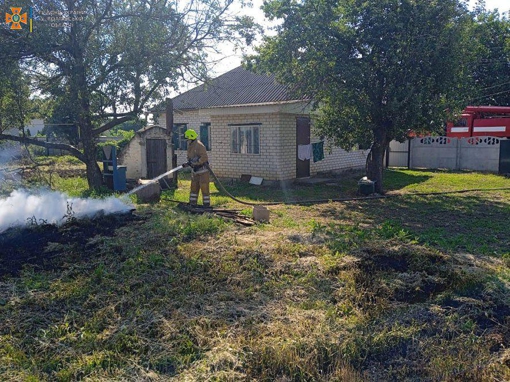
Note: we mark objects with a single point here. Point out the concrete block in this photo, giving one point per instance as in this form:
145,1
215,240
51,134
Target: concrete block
151,193
261,214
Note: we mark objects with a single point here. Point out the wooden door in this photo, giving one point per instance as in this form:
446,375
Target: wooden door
156,157
302,138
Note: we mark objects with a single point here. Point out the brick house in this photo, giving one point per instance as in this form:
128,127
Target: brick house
251,125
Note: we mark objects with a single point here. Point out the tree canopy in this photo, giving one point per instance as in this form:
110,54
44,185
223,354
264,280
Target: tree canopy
103,62
375,68
14,97
490,60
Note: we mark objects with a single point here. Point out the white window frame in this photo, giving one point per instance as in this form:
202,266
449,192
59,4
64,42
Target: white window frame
245,139
182,142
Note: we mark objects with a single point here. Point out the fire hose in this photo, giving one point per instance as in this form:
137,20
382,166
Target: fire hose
322,201
263,213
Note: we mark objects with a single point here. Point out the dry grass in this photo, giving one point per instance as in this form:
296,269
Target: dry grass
334,292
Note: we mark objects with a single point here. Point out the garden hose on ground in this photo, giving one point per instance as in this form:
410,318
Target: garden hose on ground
321,201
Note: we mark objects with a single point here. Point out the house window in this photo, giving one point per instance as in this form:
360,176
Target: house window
178,139
245,139
205,135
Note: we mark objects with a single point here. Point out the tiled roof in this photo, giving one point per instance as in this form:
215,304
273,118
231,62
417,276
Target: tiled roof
236,87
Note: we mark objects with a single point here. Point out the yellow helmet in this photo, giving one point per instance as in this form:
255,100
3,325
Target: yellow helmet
190,134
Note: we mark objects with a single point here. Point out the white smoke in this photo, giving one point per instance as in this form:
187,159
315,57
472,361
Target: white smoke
51,207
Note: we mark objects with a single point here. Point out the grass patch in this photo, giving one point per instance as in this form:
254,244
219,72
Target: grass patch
403,288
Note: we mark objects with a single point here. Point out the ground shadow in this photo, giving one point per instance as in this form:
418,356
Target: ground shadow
397,180
467,222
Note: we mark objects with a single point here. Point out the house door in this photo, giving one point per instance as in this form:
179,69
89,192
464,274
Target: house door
302,138
156,157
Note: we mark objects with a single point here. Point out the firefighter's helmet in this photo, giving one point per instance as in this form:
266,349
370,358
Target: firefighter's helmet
190,134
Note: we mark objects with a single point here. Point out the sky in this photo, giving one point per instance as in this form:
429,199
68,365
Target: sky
233,59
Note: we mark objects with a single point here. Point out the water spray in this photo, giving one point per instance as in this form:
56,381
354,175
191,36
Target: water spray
154,180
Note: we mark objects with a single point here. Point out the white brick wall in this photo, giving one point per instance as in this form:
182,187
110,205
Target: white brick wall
336,159
277,158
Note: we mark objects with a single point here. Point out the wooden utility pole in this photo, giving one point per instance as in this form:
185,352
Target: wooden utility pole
169,121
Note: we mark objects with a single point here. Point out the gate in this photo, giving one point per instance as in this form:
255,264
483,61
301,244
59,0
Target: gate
504,156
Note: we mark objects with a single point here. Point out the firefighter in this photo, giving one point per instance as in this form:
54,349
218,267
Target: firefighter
198,161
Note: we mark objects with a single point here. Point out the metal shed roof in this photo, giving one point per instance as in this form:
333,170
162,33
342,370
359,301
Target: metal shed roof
236,87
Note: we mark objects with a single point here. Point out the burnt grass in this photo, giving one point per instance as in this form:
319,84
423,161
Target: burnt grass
424,288
40,245
411,307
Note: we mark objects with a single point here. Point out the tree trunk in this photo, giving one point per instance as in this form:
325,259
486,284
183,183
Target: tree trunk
94,176
88,137
375,165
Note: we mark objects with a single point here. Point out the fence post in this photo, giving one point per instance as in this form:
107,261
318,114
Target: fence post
408,153
458,149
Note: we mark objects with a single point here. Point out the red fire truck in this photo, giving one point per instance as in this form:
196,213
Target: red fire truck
478,121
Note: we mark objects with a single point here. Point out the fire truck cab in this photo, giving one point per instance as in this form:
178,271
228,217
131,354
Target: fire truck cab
477,121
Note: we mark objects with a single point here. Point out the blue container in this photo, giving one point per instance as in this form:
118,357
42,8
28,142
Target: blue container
119,178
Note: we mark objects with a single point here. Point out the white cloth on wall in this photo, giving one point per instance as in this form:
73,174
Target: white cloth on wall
304,152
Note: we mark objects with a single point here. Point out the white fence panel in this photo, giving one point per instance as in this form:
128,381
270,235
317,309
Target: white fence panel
434,152
475,153
479,153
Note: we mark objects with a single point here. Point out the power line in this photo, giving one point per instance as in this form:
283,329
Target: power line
495,86
493,94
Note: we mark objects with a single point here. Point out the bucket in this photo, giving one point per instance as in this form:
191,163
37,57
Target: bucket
366,187
261,214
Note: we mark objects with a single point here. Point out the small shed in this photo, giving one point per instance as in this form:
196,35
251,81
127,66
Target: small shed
148,154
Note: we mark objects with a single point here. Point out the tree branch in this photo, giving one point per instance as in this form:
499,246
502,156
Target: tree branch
112,124
49,145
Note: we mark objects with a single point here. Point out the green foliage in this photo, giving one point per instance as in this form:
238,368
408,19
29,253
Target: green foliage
506,259
116,60
490,36
191,227
101,192
14,97
124,135
67,160
376,68
72,186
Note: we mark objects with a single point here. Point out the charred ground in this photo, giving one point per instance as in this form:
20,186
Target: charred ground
40,245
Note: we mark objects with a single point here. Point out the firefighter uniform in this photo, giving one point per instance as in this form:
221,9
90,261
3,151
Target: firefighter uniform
197,159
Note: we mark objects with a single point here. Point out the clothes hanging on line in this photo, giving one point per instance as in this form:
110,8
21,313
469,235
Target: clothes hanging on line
318,151
304,152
